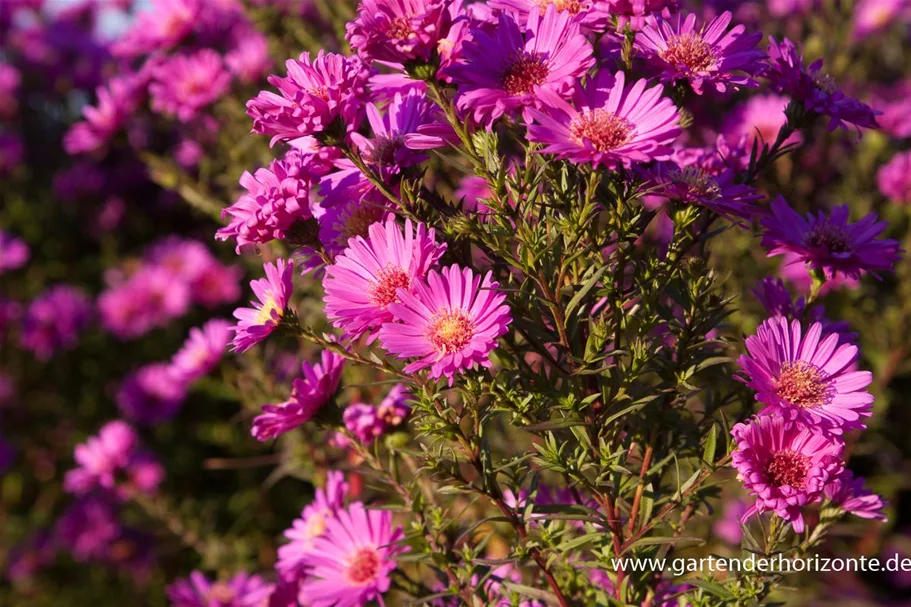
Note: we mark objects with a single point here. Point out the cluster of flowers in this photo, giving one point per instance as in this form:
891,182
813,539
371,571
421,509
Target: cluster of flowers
214,43
155,392
172,275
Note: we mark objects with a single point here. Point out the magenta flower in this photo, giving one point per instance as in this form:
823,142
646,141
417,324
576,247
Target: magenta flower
88,528
350,218
202,350
116,102
276,198
242,590
830,244
313,95
398,30
273,292
249,59
165,24
592,15
808,377
368,275
113,461
54,320
760,117
361,420
816,90
636,12
351,563
10,80
705,56
893,102
611,124
715,190
784,465
148,299
795,271
152,394
504,72
12,152
873,16
309,394
185,84
327,502
394,409
451,322
14,252
894,178
850,495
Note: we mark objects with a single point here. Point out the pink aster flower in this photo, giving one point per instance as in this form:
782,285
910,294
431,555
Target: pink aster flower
147,299
309,394
830,244
398,30
812,87
115,103
351,218
873,16
609,123
894,178
159,28
14,252
202,350
715,190
242,590
276,198
450,323
113,461
273,292
327,502
760,117
784,465
504,71
249,59
852,496
795,271
361,420
351,563
807,377
705,56
184,84
394,409
368,275
893,102
313,95
592,15
54,320
152,394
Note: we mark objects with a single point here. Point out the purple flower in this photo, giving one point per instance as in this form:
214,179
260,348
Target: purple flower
708,55
760,117
807,377
10,79
350,218
450,323
185,84
309,394
893,101
313,95
611,124
276,198
88,528
12,153
830,244
202,351
394,409
249,59
116,102
728,526
894,178
398,30
148,299
795,271
784,465
152,394
636,12
113,461
592,15
471,193
14,253
242,590
273,292
361,420
816,90
327,502
352,562
161,27
53,321
369,274
506,70
873,16
850,495
715,190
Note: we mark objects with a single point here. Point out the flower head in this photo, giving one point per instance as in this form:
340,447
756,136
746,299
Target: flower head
704,186
185,84
54,319
152,394
368,275
850,494
202,350
815,89
159,28
276,198
830,243
242,590
398,30
450,323
807,377
704,56
762,117
592,15
312,96
115,103
609,124
309,393
874,16
274,293
327,502
14,253
504,71
894,178
784,464
362,421
351,563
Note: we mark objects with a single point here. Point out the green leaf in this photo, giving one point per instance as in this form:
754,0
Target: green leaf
589,284
708,454
713,588
661,541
